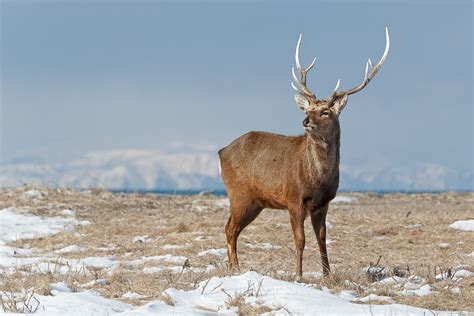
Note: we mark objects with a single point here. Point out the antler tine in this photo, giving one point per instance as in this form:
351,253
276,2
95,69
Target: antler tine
303,89
373,70
337,85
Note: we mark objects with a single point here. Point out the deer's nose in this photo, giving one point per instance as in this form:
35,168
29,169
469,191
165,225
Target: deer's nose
305,122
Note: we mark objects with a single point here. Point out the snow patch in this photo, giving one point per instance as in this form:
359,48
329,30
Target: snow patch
133,295
414,225
421,291
172,247
373,297
140,239
456,276
221,252
68,213
14,226
466,225
164,258
261,246
212,296
35,194
71,248
281,296
79,303
59,287
342,199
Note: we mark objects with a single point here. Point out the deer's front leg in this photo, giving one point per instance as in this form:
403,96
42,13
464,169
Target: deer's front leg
318,219
297,224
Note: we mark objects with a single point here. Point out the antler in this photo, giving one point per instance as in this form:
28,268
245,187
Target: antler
302,88
367,76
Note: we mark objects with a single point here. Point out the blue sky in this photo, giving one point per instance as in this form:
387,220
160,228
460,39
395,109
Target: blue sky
78,76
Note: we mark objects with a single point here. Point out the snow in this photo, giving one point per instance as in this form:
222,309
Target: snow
163,258
221,252
414,225
71,248
94,283
33,193
59,287
456,276
83,223
455,290
172,247
79,303
68,213
222,202
177,269
149,270
347,295
213,295
133,295
373,297
64,265
140,239
261,246
466,225
342,199
422,291
96,262
391,280
281,296
14,226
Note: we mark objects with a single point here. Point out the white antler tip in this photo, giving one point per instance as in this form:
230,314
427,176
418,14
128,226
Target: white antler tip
294,74
387,45
337,85
294,87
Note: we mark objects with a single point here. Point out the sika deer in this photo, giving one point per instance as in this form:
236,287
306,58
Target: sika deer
299,173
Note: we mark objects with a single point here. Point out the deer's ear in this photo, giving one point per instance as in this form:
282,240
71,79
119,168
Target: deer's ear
302,102
339,104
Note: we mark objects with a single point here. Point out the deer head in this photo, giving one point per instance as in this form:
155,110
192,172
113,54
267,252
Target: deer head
322,120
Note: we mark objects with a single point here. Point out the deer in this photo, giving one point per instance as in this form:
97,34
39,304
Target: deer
295,173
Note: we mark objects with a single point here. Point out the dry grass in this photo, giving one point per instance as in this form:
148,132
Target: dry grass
397,232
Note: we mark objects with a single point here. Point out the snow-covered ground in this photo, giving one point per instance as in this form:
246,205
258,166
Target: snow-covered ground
219,295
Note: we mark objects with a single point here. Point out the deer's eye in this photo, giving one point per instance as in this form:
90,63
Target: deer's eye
325,113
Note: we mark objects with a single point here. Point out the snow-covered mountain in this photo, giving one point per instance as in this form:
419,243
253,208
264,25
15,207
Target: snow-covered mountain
197,168
121,169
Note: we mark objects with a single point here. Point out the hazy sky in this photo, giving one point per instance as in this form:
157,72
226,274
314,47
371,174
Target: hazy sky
78,76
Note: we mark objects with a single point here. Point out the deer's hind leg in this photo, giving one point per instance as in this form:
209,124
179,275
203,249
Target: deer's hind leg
240,216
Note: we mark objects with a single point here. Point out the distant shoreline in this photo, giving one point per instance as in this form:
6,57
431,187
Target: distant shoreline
223,193
220,192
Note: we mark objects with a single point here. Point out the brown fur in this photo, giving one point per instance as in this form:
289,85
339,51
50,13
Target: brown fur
264,170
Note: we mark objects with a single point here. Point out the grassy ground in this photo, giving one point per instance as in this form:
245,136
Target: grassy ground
404,234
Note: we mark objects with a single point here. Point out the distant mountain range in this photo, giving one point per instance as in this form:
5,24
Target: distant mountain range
135,169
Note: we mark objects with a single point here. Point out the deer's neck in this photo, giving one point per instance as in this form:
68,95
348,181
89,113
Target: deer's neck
322,159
